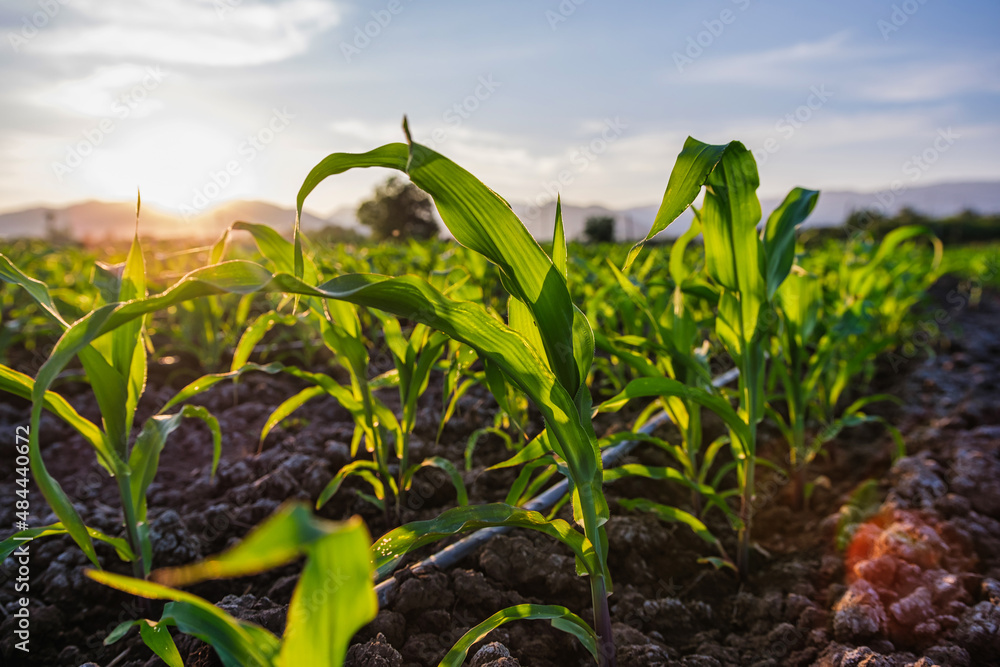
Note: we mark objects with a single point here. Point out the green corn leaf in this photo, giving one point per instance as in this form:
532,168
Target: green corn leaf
352,468
519,487
448,468
479,219
399,542
779,235
38,290
560,255
128,354
319,633
158,639
205,382
539,446
237,643
561,618
19,384
278,540
678,270
8,546
276,249
695,162
254,333
470,445
651,387
145,457
334,598
287,407
671,515
733,250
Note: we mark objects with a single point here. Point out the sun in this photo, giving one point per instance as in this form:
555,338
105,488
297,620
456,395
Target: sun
170,162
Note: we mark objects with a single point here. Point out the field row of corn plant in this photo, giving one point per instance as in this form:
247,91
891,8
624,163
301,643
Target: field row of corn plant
568,333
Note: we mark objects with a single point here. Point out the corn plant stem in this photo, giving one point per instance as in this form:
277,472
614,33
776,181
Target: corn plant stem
598,587
452,554
748,382
131,524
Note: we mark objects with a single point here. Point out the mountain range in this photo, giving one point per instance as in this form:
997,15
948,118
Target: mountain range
96,220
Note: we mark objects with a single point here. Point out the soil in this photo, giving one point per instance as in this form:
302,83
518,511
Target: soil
917,584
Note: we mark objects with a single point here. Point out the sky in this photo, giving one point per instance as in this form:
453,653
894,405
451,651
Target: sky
197,102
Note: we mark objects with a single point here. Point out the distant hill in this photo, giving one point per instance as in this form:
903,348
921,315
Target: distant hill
98,220
934,201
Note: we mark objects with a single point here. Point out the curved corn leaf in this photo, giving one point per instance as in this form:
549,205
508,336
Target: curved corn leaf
448,468
287,407
254,333
671,515
154,635
232,639
478,219
650,387
352,468
145,457
561,617
335,597
779,235
397,543
205,382
10,545
470,445
19,384
695,162
158,639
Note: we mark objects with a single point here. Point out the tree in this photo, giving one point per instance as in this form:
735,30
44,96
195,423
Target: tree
600,229
399,210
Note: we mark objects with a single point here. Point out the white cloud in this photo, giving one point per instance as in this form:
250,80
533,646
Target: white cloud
101,92
204,32
918,82
777,67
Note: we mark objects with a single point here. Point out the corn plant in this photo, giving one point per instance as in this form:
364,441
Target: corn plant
545,350
674,347
115,366
746,268
825,343
384,435
332,600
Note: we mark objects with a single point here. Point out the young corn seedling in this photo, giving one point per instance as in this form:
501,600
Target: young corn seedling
824,343
746,268
332,600
384,435
115,366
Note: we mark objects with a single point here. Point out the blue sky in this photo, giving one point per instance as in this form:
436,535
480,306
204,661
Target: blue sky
201,101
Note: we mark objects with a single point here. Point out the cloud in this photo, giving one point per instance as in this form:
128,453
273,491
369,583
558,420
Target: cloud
920,82
99,93
222,33
778,67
